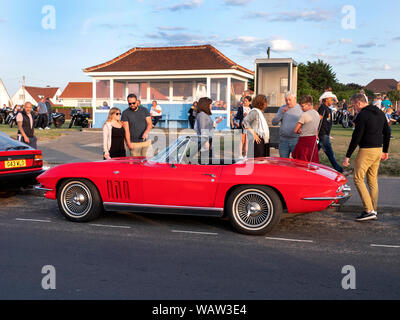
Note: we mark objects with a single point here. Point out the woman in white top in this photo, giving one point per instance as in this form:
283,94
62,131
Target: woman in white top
156,113
113,136
257,127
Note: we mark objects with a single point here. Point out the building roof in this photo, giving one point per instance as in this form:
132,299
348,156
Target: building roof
37,92
78,90
382,85
204,57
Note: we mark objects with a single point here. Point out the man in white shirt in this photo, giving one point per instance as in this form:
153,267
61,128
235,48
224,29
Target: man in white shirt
156,113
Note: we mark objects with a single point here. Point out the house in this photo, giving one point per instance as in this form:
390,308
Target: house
4,96
77,95
383,86
34,94
174,76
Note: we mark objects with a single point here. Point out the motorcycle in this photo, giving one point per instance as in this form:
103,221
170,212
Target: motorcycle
396,118
58,119
3,115
79,118
344,118
347,119
11,119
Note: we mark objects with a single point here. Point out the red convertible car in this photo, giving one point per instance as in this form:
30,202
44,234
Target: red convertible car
252,193
19,163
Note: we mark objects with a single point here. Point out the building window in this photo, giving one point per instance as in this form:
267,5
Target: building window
159,91
138,89
182,90
219,94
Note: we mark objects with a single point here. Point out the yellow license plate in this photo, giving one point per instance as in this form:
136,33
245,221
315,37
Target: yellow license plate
15,164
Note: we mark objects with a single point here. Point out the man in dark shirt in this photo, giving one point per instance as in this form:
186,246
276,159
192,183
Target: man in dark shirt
137,123
372,134
325,131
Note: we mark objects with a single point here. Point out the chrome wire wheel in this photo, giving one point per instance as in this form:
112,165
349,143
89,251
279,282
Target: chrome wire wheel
76,199
253,209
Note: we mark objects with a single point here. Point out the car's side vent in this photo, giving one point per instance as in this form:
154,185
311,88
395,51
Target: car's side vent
118,190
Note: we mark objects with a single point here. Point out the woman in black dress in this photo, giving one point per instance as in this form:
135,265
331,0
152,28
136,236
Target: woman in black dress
192,114
114,136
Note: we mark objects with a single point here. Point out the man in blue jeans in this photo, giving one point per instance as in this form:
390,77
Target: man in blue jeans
288,116
325,113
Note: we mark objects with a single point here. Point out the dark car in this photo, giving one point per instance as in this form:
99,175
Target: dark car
19,163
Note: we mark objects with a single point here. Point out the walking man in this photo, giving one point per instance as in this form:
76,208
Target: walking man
48,105
372,134
137,123
26,130
43,118
325,113
288,115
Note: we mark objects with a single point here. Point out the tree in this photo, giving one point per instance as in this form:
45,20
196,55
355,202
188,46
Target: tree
320,75
394,95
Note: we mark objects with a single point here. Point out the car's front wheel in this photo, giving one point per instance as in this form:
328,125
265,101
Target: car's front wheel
79,200
254,210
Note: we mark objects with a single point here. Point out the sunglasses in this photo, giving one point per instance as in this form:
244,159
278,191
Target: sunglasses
132,103
118,114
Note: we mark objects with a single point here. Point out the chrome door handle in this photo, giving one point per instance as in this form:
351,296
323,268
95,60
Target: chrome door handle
209,175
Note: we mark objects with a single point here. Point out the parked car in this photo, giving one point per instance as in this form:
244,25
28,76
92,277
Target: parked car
252,193
19,163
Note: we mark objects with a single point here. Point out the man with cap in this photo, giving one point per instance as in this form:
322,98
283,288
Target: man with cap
325,113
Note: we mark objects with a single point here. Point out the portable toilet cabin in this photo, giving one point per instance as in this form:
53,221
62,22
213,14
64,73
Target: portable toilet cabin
273,78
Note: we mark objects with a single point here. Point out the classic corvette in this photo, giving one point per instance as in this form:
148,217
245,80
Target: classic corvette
251,193
19,163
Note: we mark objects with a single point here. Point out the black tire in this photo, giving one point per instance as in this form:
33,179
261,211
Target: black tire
254,210
345,122
79,200
12,122
71,123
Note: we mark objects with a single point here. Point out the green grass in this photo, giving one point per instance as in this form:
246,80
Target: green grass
341,141
40,134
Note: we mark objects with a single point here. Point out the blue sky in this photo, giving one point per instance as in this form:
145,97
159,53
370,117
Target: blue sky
90,32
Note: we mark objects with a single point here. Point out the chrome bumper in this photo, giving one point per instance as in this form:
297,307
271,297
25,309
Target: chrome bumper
39,187
336,201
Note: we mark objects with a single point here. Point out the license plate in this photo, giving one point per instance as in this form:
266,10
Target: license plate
15,164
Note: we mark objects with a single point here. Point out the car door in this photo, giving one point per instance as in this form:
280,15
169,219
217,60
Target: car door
184,185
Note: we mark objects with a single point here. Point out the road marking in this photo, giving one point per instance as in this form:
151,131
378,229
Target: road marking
384,246
109,226
32,220
195,232
292,240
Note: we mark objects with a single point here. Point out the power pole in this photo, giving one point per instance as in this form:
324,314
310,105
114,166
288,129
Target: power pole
23,88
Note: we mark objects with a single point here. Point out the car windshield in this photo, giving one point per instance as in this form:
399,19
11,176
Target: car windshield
193,150
7,144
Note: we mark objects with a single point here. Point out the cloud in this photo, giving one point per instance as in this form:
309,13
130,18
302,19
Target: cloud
178,38
357,52
294,16
237,3
367,45
396,39
281,45
343,40
387,67
165,28
185,5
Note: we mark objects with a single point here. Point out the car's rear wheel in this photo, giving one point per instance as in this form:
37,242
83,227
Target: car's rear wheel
79,200
254,210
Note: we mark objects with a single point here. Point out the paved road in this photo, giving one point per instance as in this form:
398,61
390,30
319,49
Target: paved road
131,256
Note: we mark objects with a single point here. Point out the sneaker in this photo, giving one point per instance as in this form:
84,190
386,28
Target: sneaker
365,216
47,128
40,128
